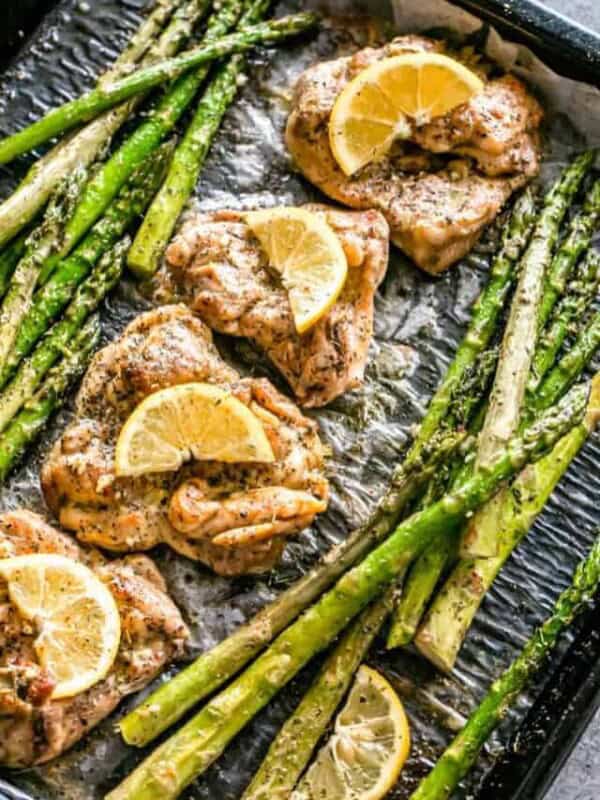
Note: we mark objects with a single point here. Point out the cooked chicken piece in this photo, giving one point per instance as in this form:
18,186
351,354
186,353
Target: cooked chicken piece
217,267
232,517
33,727
436,210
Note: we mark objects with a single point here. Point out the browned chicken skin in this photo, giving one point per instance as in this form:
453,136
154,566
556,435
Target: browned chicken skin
35,728
217,267
436,209
232,517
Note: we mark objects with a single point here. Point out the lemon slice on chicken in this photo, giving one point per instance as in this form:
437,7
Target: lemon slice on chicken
367,750
380,103
303,248
192,420
74,616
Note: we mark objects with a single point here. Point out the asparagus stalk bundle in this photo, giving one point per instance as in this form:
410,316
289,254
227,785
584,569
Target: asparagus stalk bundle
83,147
114,92
45,240
32,419
517,506
147,136
194,747
188,159
292,748
569,311
212,669
52,298
56,342
462,753
520,335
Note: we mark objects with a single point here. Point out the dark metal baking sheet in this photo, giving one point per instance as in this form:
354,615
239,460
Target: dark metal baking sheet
419,321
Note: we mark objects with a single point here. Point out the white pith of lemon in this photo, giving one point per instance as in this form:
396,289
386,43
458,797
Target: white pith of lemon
368,748
377,106
303,248
75,617
192,420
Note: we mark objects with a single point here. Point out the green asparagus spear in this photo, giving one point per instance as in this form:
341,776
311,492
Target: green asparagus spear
516,507
291,750
180,759
50,300
568,312
464,750
159,224
110,94
45,240
146,137
86,145
9,258
486,314
520,335
570,366
171,700
576,242
31,420
87,298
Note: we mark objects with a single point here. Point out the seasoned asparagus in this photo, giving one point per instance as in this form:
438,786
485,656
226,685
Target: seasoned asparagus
112,93
450,616
194,747
87,298
30,421
161,218
460,756
138,146
83,147
9,258
574,245
51,298
486,315
45,240
292,748
212,669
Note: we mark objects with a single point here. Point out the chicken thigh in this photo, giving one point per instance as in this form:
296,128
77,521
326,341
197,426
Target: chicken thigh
232,517
442,187
33,727
217,267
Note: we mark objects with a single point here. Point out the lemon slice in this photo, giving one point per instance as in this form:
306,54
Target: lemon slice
367,750
75,616
309,256
376,107
192,420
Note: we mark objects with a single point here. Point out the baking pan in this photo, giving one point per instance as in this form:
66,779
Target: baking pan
569,689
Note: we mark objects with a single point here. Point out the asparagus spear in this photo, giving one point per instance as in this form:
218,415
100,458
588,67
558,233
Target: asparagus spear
110,94
460,756
521,330
30,421
45,240
147,136
452,612
159,223
9,258
571,308
171,700
485,317
84,146
576,242
291,750
87,298
50,300
172,767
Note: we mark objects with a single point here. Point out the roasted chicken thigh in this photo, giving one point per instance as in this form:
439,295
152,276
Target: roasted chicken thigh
35,728
217,267
232,517
442,187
